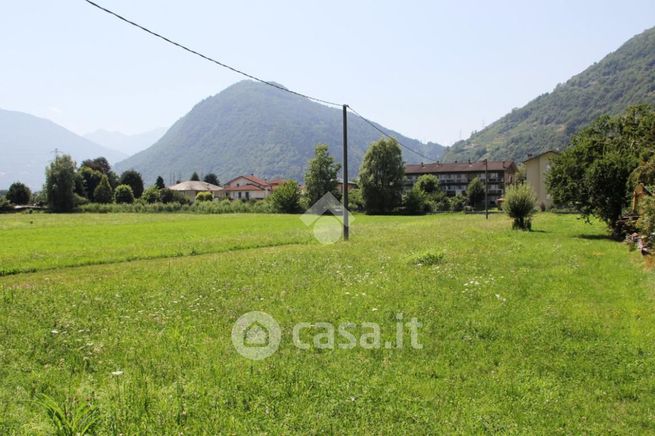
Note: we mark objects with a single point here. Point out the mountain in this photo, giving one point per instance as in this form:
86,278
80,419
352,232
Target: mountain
27,145
254,128
127,144
623,78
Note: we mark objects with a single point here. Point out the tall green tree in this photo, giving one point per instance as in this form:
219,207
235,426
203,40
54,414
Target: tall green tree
60,184
596,174
99,164
381,177
475,193
211,178
428,184
286,198
133,179
195,177
103,193
102,165
90,178
19,193
159,183
321,175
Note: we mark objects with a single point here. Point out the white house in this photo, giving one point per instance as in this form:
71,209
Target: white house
191,188
250,187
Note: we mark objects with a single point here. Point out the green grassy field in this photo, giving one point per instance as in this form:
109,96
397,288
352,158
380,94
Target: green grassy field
551,331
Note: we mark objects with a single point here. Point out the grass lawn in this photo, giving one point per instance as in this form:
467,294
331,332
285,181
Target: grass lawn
549,331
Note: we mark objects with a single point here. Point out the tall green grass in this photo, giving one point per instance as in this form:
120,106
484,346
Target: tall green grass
542,332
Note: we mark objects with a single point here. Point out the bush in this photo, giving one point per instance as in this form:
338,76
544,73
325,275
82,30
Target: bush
415,202
428,183
457,203
79,200
646,222
203,207
5,206
355,201
19,194
103,193
169,196
124,194
520,203
286,198
151,195
441,204
204,196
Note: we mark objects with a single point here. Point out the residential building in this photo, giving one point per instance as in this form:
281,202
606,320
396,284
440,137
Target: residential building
251,187
536,168
454,177
191,188
351,185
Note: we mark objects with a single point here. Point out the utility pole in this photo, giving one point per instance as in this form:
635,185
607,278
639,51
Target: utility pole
486,188
346,228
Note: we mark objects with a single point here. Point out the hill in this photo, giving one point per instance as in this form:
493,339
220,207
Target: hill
623,78
28,143
254,128
127,144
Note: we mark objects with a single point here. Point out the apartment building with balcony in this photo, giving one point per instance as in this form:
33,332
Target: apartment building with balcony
454,177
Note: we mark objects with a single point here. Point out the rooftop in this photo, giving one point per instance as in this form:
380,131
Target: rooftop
194,185
458,167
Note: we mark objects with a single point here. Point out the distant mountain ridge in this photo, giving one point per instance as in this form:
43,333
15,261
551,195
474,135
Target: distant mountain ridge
127,144
623,78
28,143
252,128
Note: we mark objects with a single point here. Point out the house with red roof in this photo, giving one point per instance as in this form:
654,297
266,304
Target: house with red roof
250,187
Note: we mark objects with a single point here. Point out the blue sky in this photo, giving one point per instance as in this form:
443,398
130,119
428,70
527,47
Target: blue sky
432,70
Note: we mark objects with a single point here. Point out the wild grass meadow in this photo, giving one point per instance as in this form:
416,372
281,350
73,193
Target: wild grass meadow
123,321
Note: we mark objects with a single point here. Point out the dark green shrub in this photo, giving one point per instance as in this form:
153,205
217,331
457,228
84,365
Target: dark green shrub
646,222
457,203
159,184
79,200
124,194
5,206
169,196
151,195
19,194
414,202
520,203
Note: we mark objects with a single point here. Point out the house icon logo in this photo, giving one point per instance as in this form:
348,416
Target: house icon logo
325,217
256,335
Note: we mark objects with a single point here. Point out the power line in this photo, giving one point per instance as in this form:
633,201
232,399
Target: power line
372,124
250,76
183,47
